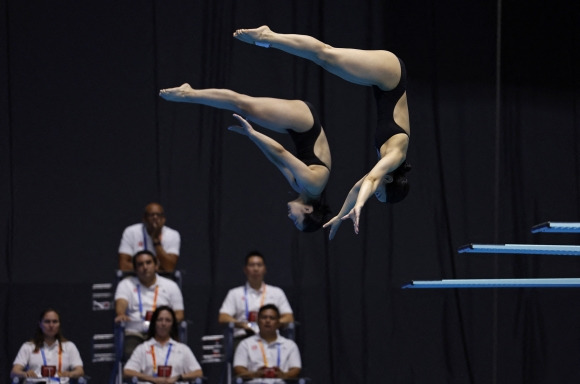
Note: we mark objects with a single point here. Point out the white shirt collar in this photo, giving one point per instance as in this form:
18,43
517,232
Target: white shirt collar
153,341
48,347
277,341
249,287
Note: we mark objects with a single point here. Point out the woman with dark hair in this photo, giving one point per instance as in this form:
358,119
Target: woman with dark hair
307,172
385,73
48,354
162,359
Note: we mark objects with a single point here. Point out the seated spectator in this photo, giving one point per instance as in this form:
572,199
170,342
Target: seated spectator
150,235
162,358
242,303
267,354
137,297
48,354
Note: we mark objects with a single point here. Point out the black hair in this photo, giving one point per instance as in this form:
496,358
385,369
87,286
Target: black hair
269,306
174,333
398,189
252,254
143,252
320,214
38,338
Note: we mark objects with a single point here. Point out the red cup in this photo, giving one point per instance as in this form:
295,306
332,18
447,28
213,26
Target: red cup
148,315
253,317
270,373
164,371
48,370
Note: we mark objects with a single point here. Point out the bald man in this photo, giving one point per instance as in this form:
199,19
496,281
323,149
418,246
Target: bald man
150,235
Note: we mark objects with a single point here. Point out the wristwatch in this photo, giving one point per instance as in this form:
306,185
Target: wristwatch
179,378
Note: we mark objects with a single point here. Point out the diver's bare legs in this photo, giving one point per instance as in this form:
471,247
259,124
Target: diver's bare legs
365,67
275,114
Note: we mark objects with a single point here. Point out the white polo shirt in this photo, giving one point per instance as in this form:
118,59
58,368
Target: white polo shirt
141,299
282,353
135,238
26,356
236,299
179,357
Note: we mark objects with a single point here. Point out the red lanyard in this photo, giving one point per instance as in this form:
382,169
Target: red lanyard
155,298
141,302
247,299
153,357
155,360
264,354
59,358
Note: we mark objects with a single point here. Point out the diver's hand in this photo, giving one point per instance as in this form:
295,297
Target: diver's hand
245,128
334,224
354,215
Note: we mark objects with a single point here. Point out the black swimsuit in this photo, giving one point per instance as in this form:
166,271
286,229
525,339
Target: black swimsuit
386,102
304,141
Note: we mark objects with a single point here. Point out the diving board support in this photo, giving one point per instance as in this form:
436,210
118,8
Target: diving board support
530,249
556,227
496,283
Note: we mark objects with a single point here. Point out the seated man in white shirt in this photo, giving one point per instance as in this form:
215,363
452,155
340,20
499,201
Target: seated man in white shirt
267,355
137,297
151,235
241,304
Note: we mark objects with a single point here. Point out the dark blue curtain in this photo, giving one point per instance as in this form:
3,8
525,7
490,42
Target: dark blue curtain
85,143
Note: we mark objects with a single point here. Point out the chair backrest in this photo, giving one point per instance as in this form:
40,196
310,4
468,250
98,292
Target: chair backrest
213,349
289,331
103,348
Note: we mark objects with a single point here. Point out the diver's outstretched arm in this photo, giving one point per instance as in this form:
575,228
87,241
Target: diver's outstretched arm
394,156
347,206
298,175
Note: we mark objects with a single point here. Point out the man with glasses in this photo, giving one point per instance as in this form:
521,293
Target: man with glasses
150,235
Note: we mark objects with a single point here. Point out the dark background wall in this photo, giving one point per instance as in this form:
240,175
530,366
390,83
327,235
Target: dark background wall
85,143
